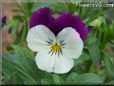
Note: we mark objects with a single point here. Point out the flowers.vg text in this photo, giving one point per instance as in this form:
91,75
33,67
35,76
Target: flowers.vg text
100,4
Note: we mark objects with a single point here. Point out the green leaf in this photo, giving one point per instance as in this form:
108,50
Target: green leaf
45,81
85,56
1,79
55,6
16,78
86,78
22,34
71,78
10,24
112,82
93,48
10,74
88,16
43,4
95,1
7,71
19,17
97,21
109,66
57,79
73,8
24,52
15,27
94,51
48,79
108,34
22,70
24,63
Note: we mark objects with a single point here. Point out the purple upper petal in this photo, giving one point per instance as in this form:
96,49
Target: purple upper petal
80,27
41,16
68,20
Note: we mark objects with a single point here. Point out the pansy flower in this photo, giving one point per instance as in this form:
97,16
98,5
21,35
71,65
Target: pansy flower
57,41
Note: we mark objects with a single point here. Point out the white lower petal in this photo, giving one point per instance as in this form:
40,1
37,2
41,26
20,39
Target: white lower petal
37,37
45,61
73,43
53,63
63,65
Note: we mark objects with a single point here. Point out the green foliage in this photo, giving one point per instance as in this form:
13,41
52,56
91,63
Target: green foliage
71,78
84,57
22,34
85,78
93,48
21,64
55,6
19,67
45,81
109,67
57,79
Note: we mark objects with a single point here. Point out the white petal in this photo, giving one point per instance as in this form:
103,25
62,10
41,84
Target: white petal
37,37
63,65
53,63
73,43
45,61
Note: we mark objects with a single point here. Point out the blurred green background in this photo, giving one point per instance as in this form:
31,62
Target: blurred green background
95,65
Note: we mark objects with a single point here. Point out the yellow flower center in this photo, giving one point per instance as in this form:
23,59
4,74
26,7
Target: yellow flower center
56,48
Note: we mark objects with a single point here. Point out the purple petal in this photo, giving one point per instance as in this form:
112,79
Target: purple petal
80,27
41,16
68,20
61,22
